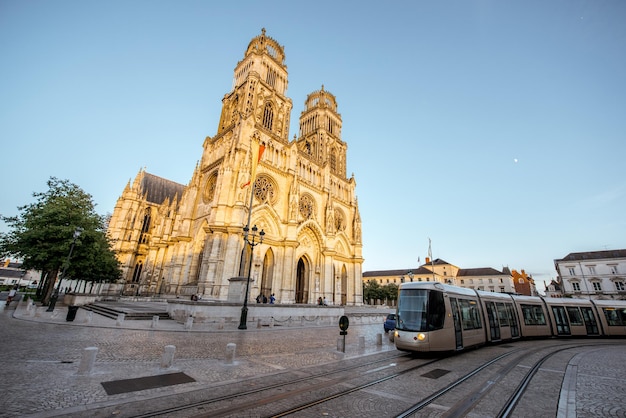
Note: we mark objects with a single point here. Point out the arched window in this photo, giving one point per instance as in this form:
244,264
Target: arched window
137,272
268,116
333,160
145,228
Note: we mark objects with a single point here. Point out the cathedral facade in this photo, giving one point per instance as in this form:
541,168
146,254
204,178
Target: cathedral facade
181,240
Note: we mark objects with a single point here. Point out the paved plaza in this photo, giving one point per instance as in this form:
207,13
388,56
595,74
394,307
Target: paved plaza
44,372
42,355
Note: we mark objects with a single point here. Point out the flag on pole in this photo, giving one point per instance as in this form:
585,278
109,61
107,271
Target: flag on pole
257,153
430,252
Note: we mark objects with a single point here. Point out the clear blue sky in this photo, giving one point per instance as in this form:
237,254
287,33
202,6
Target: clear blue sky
497,129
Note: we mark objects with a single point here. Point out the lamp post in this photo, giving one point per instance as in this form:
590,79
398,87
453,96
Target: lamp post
250,239
55,295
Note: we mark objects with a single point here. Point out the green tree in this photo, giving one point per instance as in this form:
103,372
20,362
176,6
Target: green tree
390,291
42,234
372,291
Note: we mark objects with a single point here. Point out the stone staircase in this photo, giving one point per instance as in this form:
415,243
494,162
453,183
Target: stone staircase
138,312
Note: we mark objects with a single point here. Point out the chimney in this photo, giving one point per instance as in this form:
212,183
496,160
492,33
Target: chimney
427,260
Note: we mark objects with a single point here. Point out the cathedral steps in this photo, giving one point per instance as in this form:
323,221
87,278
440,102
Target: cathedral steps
138,312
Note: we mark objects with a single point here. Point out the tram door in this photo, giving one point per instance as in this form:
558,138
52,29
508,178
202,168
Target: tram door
590,321
562,326
456,316
510,313
494,326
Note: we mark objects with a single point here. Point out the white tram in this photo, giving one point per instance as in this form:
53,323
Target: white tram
436,317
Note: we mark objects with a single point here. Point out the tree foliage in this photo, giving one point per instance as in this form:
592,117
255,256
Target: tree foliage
372,290
43,233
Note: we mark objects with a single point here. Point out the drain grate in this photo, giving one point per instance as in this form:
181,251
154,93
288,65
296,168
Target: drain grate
436,373
115,387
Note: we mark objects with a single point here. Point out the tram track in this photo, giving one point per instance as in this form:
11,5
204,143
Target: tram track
315,394
288,386
483,389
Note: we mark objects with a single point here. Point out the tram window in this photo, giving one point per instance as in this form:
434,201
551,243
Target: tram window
615,317
436,310
412,309
504,320
533,315
575,318
470,317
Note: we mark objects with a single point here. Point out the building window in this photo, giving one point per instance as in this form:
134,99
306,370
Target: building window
501,289
619,286
520,280
613,269
490,280
592,269
462,281
597,287
576,286
268,116
571,270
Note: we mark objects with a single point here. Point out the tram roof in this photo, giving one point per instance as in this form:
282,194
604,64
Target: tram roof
438,286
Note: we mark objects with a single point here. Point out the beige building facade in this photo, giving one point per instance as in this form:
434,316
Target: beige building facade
181,240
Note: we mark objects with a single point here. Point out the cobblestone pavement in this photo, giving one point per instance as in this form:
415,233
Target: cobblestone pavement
42,352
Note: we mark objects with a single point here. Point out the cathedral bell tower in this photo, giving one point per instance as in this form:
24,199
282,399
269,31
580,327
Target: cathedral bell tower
259,88
320,132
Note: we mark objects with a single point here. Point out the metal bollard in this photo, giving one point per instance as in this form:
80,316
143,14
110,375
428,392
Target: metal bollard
120,319
87,360
272,322
341,344
258,323
155,321
230,353
168,356
189,323
379,339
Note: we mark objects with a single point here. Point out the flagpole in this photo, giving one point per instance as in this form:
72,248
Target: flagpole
432,263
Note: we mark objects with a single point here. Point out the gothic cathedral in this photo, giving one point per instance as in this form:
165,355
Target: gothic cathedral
177,240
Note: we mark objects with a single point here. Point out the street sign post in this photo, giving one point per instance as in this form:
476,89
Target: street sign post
344,323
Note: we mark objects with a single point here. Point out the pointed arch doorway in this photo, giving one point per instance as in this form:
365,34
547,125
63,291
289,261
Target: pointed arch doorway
302,281
267,274
344,286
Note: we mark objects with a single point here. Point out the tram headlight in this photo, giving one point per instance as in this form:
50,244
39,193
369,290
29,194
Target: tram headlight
421,336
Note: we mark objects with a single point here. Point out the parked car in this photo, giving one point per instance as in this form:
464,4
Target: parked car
390,322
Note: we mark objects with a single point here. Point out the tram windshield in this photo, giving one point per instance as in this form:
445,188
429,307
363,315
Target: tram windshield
420,310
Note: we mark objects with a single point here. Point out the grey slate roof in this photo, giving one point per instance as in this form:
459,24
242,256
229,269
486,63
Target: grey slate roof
158,189
415,271
594,255
482,271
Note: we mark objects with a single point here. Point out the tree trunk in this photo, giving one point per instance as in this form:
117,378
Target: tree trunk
40,285
49,287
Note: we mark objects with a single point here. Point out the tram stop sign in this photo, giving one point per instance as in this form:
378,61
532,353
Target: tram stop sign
344,323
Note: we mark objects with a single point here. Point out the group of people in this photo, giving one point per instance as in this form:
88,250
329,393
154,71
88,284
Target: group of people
263,299
321,301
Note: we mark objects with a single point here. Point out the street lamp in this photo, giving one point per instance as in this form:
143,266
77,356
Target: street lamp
55,295
250,238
